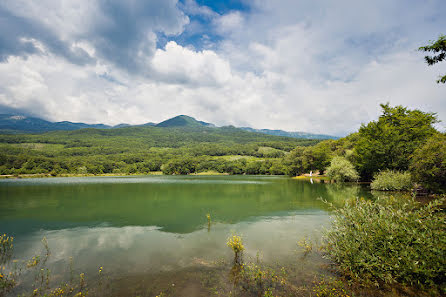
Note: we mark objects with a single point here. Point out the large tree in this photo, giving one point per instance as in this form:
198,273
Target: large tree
389,142
439,48
428,165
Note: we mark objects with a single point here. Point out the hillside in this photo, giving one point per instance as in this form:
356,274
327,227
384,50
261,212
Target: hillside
183,121
185,149
13,124
10,123
290,134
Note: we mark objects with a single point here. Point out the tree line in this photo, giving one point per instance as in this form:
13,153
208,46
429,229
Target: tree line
401,140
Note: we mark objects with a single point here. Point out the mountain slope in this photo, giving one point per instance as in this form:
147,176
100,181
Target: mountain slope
35,125
290,134
12,124
183,121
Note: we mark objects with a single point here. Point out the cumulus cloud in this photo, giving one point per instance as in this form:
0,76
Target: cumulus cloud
181,65
120,32
298,66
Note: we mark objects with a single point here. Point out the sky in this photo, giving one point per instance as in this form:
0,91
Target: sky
319,66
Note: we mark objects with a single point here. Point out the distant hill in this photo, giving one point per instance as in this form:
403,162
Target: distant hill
21,123
12,124
290,134
183,121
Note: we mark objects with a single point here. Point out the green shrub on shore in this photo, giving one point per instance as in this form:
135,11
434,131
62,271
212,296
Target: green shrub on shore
428,166
390,241
341,170
390,180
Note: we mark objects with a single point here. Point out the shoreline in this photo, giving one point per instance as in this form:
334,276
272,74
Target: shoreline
48,175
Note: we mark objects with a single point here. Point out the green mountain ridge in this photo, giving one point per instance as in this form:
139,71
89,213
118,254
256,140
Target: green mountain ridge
183,121
18,124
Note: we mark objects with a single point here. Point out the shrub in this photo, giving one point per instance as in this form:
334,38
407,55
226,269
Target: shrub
341,170
389,180
428,165
390,240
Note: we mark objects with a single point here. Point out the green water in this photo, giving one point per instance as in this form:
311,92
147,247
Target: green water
139,227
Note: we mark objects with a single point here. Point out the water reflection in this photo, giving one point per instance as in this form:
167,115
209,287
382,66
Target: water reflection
178,207
137,249
140,225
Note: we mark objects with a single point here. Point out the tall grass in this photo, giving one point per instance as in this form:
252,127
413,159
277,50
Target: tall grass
390,180
395,240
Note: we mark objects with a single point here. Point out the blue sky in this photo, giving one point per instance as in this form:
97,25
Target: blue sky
316,66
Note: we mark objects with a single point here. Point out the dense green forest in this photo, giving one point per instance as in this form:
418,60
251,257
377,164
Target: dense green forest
401,140
179,150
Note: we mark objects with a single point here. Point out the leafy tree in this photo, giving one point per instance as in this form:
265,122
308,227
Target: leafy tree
389,142
296,162
428,164
322,154
438,47
341,170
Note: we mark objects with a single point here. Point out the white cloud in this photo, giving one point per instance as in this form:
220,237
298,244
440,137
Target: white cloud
185,66
297,66
229,22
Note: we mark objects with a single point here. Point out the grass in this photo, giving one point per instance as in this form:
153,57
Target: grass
390,241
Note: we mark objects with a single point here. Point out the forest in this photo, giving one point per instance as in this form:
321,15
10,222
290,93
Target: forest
400,140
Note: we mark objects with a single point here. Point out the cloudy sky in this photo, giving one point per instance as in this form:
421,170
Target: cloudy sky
299,65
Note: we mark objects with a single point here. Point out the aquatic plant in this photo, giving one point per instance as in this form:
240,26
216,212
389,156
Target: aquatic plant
11,274
261,281
6,248
235,243
329,288
387,241
306,245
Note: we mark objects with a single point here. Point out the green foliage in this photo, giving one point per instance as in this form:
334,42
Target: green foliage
317,157
390,240
390,180
342,170
145,149
389,142
428,165
438,47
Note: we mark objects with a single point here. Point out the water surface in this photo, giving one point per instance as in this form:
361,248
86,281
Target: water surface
152,225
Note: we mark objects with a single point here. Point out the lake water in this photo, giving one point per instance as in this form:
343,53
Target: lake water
151,232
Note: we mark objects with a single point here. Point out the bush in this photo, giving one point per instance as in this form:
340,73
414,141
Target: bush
390,180
341,170
428,165
390,240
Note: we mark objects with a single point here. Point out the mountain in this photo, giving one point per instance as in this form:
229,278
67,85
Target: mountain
183,121
290,134
10,123
20,123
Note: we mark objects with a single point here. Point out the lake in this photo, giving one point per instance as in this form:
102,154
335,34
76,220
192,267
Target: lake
150,233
